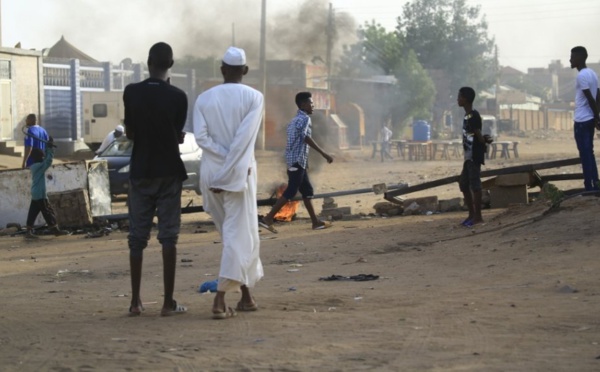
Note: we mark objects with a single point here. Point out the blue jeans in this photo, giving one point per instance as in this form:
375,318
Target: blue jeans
584,137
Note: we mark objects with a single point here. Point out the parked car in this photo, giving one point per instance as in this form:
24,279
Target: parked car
118,157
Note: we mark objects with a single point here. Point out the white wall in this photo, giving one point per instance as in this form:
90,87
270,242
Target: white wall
15,188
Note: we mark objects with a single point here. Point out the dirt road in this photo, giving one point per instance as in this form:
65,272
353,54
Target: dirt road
519,293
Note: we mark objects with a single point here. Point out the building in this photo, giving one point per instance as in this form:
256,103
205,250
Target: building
21,93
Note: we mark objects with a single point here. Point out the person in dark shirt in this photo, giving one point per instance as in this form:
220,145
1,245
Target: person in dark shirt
474,144
155,114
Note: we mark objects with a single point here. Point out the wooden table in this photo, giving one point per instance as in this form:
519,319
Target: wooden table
420,150
400,147
504,148
443,147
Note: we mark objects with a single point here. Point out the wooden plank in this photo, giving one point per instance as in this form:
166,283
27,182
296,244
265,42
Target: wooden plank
390,195
562,177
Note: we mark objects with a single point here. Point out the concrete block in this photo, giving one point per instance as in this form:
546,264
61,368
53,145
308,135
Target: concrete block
515,179
380,188
503,196
72,207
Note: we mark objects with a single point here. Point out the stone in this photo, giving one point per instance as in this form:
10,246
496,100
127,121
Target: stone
390,209
425,204
451,205
9,231
412,208
328,200
336,213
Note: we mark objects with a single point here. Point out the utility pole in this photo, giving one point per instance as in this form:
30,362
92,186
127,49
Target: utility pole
497,81
263,72
0,23
329,45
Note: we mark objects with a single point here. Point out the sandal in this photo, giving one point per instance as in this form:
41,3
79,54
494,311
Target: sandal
263,224
324,225
245,307
176,310
466,221
229,313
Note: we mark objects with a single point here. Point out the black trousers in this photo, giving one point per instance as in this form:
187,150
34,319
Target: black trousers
41,205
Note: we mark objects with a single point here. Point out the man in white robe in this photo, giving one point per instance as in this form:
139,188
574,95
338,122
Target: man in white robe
226,123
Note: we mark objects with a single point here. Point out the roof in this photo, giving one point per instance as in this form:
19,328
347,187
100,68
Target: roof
507,70
65,50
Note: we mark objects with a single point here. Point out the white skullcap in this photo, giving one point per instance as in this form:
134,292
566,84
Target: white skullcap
235,57
120,128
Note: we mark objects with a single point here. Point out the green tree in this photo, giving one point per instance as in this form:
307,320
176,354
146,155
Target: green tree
379,52
451,41
450,36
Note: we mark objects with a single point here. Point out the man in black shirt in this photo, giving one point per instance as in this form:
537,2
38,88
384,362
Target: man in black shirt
155,114
474,153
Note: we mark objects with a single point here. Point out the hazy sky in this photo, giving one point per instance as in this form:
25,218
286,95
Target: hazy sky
529,33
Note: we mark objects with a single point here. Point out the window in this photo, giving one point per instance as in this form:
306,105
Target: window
5,70
100,110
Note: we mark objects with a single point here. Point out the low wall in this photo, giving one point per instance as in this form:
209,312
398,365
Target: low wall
15,187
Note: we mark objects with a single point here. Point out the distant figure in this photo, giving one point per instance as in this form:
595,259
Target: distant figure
299,141
474,153
110,137
39,198
386,144
227,118
32,139
587,103
155,113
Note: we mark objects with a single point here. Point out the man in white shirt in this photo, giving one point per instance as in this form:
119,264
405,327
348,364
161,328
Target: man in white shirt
587,102
118,132
226,123
386,137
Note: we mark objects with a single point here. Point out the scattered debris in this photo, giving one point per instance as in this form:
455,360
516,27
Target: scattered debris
568,289
356,278
209,286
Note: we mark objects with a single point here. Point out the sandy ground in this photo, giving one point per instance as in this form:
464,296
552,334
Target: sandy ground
517,294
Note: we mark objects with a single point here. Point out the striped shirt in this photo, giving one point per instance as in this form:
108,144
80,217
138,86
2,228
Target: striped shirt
296,150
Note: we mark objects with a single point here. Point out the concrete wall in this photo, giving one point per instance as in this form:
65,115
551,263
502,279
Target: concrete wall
526,120
26,85
15,186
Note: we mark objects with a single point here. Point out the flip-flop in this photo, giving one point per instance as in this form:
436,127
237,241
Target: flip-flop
245,307
468,223
325,225
229,313
467,220
263,224
176,310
